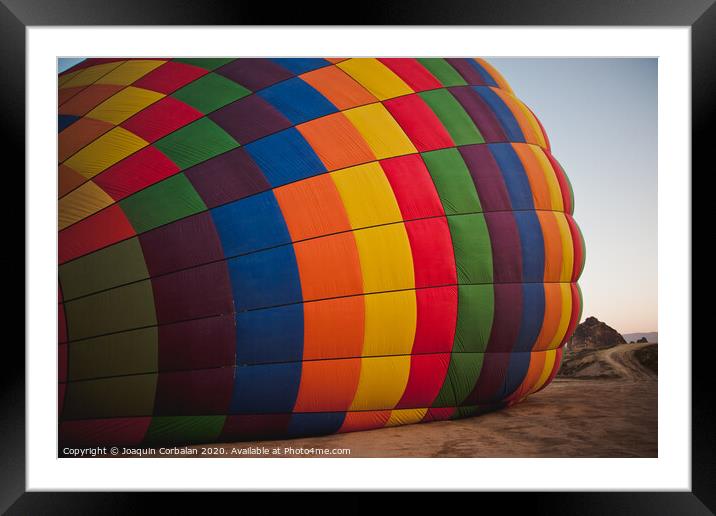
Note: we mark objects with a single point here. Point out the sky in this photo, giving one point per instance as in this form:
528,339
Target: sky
601,118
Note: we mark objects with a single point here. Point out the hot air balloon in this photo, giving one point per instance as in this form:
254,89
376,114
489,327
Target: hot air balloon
271,248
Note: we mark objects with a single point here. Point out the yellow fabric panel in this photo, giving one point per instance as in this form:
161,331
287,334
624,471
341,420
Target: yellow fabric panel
567,247
81,203
367,195
130,71
386,260
406,417
555,193
105,151
375,77
546,370
499,79
90,75
566,315
380,131
382,383
123,104
64,78
390,320
533,122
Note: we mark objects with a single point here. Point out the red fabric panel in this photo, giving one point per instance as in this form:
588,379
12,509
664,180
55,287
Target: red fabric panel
61,324
427,374
563,184
437,316
433,256
412,72
419,122
201,391
197,344
127,431
573,321
413,187
141,169
577,245
105,227
170,76
161,118
438,414
253,427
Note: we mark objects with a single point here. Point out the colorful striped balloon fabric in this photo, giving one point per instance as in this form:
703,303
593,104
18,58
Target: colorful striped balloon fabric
271,248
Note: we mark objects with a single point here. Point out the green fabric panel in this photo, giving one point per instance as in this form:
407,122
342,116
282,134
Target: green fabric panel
473,250
122,308
210,92
457,122
195,143
122,396
169,200
109,267
174,430
207,63
129,352
453,181
475,311
463,372
443,72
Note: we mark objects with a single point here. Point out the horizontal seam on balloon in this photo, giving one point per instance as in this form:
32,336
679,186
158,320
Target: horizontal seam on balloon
225,314
287,244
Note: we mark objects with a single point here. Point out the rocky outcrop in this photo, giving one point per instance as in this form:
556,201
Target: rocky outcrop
593,334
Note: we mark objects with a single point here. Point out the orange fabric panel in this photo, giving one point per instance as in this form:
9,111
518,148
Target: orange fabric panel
533,375
336,141
338,87
67,180
535,174
368,420
552,315
312,207
499,79
329,266
86,100
327,385
335,60
67,93
553,255
79,134
333,328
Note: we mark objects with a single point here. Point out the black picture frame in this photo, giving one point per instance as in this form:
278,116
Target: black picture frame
700,15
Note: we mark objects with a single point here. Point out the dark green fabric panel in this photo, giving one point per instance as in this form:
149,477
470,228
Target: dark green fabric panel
475,311
130,352
210,92
443,72
207,63
122,308
453,181
172,199
463,372
171,430
473,251
457,122
123,396
195,142
114,265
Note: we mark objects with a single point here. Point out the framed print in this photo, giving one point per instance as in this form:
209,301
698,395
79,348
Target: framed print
359,258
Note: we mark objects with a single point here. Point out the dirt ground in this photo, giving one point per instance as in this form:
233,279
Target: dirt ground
570,418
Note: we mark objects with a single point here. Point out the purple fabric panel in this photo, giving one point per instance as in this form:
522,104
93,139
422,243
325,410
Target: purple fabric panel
193,293
480,112
487,176
468,72
184,243
507,319
506,247
491,380
197,344
249,119
227,177
198,392
254,74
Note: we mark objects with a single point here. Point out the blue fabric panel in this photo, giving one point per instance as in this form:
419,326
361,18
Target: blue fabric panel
65,120
266,278
516,371
250,224
270,335
532,244
297,100
285,157
299,65
514,175
533,306
319,423
502,112
483,73
265,389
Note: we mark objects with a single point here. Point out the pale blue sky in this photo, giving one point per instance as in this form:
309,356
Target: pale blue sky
601,118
